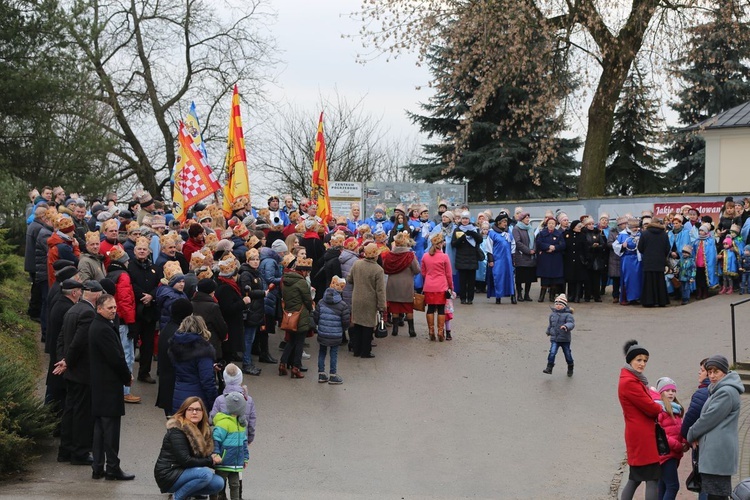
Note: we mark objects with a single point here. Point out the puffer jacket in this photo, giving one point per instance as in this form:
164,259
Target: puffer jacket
347,260
123,292
671,426
271,272
32,232
696,405
557,319
297,297
230,443
239,249
193,360
252,285
177,454
60,248
332,316
40,253
165,297
331,266
220,405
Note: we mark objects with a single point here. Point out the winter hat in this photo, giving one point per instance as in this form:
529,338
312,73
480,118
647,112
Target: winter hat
622,220
717,361
379,210
309,223
98,207
207,286
727,241
632,349
448,214
195,230
181,309
126,214
687,249
524,215
500,217
66,273
176,278
561,299
108,285
400,208
279,246
705,228
232,375
574,224
117,254
104,215
664,384
158,221
62,263
92,286
71,284
236,406
465,214
223,246
145,200
747,249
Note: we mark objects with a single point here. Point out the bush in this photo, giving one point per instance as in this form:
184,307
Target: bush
24,420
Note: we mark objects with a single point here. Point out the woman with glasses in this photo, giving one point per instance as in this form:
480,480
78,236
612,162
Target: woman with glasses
186,460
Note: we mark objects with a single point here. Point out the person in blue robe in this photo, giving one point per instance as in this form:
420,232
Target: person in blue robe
631,275
424,226
704,252
500,279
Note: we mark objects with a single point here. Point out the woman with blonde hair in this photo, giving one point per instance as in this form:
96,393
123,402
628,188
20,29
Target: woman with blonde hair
186,460
193,359
401,266
438,283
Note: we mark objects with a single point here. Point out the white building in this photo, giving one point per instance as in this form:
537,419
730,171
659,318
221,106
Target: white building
727,138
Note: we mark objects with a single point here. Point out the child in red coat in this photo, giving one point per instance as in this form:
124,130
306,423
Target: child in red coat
671,421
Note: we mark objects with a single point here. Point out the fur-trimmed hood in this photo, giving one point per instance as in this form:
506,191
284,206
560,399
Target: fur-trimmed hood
186,346
201,444
656,225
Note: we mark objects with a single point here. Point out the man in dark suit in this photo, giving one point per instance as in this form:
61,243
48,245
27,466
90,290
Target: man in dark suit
73,352
109,372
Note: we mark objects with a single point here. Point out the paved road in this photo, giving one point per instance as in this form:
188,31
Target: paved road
474,418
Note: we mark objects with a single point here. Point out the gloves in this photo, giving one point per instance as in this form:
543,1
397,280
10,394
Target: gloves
133,331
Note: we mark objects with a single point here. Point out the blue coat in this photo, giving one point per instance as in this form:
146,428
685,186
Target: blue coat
501,283
165,297
332,317
385,224
193,360
270,271
239,249
347,260
550,265
696,405
631,276
421,241
710,254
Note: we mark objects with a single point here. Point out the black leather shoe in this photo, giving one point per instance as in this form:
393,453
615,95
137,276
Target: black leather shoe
302,369
364,356
147,379
118,475
267,358
86,460
97,474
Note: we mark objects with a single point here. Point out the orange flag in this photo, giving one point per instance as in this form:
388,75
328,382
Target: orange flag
237,183
194,179
319,192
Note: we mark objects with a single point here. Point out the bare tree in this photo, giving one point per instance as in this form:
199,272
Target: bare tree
150,57
356,145
605,35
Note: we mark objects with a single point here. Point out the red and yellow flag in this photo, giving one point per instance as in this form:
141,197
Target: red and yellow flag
193,178
237,183
319,192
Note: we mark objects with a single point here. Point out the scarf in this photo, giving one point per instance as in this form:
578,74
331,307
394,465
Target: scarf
446,229
232,283
469,227
395,262
678,231
201,444
640,376
525,227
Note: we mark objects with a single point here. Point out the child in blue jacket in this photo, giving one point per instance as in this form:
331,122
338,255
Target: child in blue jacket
332,315
230,442
561,323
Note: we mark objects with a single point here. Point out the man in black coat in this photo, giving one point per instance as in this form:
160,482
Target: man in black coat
109,372
654,248
144,278
77,426
205,306
55,395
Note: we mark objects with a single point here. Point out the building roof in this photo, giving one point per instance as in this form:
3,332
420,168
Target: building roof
737,117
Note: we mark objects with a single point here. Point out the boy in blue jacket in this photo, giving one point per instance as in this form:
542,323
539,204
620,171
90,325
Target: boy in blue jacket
230,442
332,315
561,323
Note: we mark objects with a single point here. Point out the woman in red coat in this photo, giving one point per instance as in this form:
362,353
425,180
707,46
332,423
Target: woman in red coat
640,412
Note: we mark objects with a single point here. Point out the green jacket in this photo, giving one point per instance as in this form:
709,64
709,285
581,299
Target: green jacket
295,291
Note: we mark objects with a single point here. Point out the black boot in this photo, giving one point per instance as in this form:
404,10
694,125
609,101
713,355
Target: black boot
265,357
513,299
519,290
401,319
552,292
548,370
570,370
412,331
526,297
542,293
395,328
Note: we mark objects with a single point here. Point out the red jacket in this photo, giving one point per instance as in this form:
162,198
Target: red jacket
640,412
191,246
437,273
124,296
58,249
672,426
105,247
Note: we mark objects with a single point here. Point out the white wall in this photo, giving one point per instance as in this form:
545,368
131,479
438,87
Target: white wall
727,160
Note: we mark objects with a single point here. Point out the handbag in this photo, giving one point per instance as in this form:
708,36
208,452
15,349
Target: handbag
693,481
662,445
676,283
289,319
380,331
418,302
480,254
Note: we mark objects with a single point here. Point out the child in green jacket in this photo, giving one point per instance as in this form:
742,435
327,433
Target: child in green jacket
230,442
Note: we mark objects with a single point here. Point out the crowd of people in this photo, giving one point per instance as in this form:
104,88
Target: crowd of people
203,294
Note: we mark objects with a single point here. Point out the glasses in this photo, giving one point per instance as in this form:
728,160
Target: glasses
194,410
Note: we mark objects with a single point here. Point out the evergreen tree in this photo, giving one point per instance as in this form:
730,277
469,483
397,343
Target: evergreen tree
716,78
634,164
506,155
